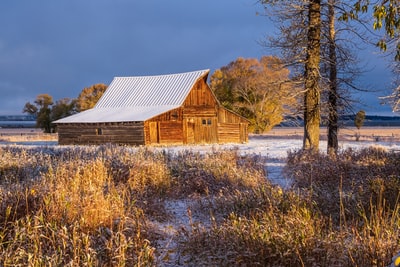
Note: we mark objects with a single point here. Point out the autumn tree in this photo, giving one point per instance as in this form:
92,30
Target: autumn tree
256,89
89,96
41,109
63,108
386,15
359,119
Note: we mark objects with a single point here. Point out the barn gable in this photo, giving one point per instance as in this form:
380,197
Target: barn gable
162,109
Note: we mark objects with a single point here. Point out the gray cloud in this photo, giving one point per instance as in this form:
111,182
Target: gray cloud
60,47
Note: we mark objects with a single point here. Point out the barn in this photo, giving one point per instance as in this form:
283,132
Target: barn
148,110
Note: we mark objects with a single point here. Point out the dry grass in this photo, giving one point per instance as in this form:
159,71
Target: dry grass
341,212
101,206
391,134
93,205
25,135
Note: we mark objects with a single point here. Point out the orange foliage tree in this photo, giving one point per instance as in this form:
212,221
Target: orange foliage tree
89,96
259,90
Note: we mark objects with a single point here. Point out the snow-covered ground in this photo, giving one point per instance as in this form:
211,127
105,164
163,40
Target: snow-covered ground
273,149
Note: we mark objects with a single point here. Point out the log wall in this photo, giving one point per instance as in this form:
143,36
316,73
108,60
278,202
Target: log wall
99,133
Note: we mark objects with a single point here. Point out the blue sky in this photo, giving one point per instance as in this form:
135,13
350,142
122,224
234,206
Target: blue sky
59,47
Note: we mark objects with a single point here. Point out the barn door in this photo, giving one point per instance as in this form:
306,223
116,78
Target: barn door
153,127
190,129
208,131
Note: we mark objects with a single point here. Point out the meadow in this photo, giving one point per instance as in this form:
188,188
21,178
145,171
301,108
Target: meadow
198,206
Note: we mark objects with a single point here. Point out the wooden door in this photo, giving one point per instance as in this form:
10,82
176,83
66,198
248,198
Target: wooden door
207,130
153,127
190,128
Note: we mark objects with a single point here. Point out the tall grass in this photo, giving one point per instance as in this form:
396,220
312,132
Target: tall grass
96,206
92,206
342,211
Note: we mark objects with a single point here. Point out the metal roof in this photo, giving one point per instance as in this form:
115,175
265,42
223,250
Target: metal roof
139,98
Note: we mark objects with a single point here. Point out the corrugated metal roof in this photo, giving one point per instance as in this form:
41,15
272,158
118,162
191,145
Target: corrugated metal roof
99,115
147,91
139,98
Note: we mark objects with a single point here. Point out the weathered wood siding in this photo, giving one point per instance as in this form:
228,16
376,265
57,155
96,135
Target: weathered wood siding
232,128
227,116
200,95
232,133
131,133
171,132
165,128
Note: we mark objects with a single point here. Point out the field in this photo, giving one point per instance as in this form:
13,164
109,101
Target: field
345,134
205,205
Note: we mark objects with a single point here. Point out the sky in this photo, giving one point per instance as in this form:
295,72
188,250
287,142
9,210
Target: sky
60,47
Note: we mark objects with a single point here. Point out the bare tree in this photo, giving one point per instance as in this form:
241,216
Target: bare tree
333,117
310,14
394,98
337,66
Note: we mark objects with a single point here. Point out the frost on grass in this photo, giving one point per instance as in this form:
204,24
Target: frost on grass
179,206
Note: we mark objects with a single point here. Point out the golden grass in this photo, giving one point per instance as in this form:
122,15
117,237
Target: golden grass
97,206
28,137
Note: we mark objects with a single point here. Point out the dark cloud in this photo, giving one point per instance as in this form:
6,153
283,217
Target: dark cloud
60,47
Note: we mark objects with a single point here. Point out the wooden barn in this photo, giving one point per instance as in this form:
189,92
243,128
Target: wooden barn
164,109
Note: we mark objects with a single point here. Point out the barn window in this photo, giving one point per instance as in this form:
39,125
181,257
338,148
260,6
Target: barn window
99,131
175,115
206,121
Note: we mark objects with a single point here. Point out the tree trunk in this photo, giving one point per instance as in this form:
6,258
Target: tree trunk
333,92
312,90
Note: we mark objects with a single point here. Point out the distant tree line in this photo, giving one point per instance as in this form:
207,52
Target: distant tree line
46,110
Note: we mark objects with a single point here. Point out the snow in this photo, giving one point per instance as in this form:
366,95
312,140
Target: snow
272,149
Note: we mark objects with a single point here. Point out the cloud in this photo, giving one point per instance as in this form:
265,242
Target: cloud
60,47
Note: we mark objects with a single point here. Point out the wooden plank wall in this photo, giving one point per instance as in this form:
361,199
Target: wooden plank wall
232,128
171,132
229,133
200,95
227,116
205,130
131,133
164,132
193,111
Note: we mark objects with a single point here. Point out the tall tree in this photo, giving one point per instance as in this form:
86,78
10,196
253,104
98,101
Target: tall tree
333,117
309,12
41,109
338,65
312,95
89,96
256,89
